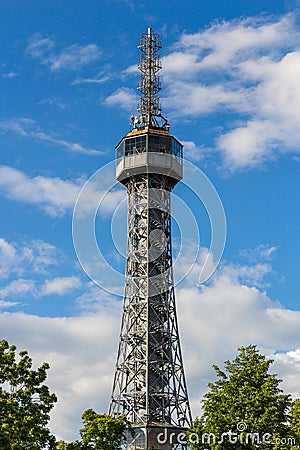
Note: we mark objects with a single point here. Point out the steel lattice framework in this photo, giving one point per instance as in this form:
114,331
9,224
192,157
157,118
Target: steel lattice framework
149,384
149,86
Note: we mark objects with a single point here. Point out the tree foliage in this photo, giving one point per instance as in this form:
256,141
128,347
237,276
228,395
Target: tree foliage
294,422
99,432
25,402
103,432
76,445
244,407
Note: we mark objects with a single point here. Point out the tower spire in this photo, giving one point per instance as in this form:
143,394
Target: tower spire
149,85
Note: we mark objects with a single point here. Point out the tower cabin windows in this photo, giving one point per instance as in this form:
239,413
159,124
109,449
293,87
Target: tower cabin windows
135,145
160,144
149,143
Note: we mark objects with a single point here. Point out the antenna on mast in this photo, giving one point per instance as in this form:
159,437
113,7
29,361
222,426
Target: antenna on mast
149,85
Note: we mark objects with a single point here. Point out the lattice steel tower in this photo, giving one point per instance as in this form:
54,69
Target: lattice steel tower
149,384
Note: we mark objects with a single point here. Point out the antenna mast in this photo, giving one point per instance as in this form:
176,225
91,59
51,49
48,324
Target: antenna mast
149,86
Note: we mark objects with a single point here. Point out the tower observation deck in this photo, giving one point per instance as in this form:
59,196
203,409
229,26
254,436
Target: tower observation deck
149,384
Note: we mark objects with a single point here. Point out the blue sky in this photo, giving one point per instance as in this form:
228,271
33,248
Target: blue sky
231,92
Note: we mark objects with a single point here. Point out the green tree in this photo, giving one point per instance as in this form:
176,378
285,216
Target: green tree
294,421
25,402
244,405
103,432
76,445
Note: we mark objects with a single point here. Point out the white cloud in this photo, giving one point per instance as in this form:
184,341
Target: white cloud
233,310
249,67
261,252
190,98
42,255
8,255
23,267
288,365
54,195
60,285
124,97
272,128
17,287
251,274
35,256
26,270
180,64
4,304
131,69
81,353
248,145
72,57
224,44
192,151
99,194
28,128
94,300
19,126
38,46
217,319
253,271
99,79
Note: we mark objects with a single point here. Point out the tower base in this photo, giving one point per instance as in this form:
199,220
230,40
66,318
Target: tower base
156,438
